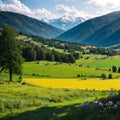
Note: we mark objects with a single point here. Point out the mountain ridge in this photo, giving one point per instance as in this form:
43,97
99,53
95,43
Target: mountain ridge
82,32
28,25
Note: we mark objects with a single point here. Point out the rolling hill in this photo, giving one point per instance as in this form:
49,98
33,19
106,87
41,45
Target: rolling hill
28,25
99,31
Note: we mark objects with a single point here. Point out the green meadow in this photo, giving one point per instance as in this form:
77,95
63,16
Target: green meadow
92,67
16,99
22,101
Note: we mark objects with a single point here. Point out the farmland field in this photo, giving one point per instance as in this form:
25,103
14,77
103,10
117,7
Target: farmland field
89,84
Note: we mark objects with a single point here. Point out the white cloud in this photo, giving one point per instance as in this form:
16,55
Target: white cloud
93,8
18,7
61,10
105,6
42,13
104,3
71,11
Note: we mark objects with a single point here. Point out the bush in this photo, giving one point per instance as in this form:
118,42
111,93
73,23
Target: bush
103,76
119,70
110,76
78,75
114,69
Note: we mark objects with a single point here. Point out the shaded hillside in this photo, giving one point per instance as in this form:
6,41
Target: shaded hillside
28,25
94,30
106,36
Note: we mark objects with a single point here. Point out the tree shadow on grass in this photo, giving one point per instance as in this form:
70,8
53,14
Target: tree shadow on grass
47,113
68,112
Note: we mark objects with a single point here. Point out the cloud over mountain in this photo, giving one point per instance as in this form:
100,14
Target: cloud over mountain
75,8
18,7
105,6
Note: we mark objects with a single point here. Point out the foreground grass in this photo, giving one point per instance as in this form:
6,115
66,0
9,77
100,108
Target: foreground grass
22,101
90,84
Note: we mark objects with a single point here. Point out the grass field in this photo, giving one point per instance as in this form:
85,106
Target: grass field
53,91
16,98
46,69
64,70
89,84
23,101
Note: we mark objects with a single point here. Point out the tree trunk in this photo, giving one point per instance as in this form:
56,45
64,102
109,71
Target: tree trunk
10,74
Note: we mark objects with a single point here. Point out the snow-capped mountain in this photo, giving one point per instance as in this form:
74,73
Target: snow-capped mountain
64,23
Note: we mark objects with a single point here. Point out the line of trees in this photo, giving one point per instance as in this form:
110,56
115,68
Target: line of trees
32,52
102,51
115,69
71,47
103,76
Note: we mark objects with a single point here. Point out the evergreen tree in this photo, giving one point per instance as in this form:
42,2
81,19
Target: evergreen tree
110,76
103,76
114,69
50,56
76,55
71,58
29,54
119,70
10,54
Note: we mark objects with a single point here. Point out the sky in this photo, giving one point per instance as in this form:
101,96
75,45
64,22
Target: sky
51,9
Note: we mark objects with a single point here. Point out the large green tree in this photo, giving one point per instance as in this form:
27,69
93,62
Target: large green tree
10,54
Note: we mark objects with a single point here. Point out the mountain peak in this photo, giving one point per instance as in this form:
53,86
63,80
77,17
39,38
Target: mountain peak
65,22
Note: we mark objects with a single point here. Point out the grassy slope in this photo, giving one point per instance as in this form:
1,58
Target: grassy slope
71,70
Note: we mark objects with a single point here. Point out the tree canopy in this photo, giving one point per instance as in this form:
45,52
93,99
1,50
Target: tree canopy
10,53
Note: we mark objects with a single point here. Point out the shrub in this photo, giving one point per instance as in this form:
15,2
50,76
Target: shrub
33,74
78,75
119,70
114,69
110,76
24,83
103,76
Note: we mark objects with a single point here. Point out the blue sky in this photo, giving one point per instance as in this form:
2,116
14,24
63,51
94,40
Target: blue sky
56,8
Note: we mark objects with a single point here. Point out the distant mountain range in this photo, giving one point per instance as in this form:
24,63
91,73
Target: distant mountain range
99,31
28,25
64,23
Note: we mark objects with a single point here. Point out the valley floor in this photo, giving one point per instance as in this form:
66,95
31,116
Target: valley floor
62,91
